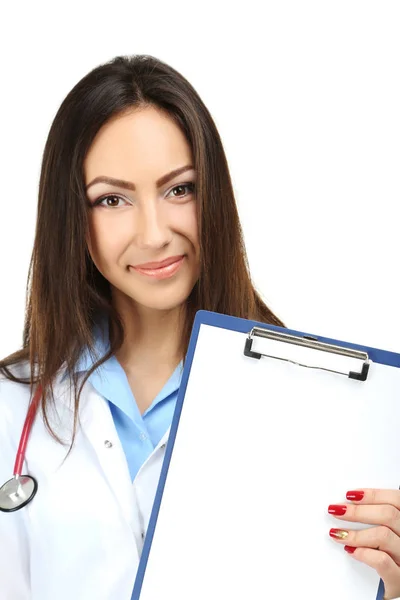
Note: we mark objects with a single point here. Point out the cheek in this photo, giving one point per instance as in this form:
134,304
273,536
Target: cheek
105,238
186,223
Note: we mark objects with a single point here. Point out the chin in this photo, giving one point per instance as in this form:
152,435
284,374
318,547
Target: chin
163,299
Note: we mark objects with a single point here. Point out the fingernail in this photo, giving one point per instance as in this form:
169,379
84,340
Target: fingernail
355,495
339,534
349,549
337,509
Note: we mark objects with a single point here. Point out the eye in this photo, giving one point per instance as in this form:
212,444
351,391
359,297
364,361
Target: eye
115,198
190,186
100,201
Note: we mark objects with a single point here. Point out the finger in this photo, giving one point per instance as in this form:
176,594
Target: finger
384,565
377,538
378,514
374,496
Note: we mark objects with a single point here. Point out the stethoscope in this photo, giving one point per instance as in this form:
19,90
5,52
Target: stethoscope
20,490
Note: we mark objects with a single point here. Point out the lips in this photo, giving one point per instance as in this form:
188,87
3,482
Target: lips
164,272
159,265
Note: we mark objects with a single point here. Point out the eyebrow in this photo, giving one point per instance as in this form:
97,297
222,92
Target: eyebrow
131,186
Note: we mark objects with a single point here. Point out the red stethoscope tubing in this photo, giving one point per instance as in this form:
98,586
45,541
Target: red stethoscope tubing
30,417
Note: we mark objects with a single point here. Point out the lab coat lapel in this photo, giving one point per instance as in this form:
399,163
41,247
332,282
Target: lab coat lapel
97,428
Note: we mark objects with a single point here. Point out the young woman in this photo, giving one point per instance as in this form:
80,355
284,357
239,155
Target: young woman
137,229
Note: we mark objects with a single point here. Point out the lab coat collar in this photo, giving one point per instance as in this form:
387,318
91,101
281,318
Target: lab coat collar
97,425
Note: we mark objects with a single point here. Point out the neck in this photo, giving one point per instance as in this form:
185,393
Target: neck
152,337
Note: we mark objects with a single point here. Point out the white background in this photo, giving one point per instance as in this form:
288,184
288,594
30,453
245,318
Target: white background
306,97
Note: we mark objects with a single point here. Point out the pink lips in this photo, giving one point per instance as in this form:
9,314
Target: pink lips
158,265
161,270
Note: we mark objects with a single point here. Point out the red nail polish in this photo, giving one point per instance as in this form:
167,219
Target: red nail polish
349,549
337,509
355,495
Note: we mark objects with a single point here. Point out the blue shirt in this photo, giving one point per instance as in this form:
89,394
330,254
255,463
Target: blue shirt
139,434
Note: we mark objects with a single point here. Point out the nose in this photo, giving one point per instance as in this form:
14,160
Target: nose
152,229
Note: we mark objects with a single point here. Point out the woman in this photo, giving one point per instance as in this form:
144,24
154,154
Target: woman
137,229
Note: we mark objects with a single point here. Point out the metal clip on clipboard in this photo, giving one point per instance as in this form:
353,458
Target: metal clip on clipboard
311,343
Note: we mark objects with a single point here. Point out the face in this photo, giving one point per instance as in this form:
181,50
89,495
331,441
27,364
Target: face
148,216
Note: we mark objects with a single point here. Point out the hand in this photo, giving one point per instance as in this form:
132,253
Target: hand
378,547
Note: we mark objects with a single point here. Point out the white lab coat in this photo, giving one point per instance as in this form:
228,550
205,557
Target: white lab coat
81,537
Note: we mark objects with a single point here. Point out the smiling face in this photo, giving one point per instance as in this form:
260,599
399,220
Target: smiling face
150,218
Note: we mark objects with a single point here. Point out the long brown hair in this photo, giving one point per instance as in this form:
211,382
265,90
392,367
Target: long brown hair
65,291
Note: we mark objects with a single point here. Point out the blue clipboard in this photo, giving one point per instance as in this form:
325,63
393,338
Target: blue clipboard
242,326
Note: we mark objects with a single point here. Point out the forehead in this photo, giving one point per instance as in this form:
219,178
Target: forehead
140,144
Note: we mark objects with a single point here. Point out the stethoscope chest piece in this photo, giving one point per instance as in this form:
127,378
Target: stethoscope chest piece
17,492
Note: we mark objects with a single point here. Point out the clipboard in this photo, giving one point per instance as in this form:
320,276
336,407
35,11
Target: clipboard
271,431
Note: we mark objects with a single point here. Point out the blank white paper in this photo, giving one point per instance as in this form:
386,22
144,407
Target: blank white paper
262,448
